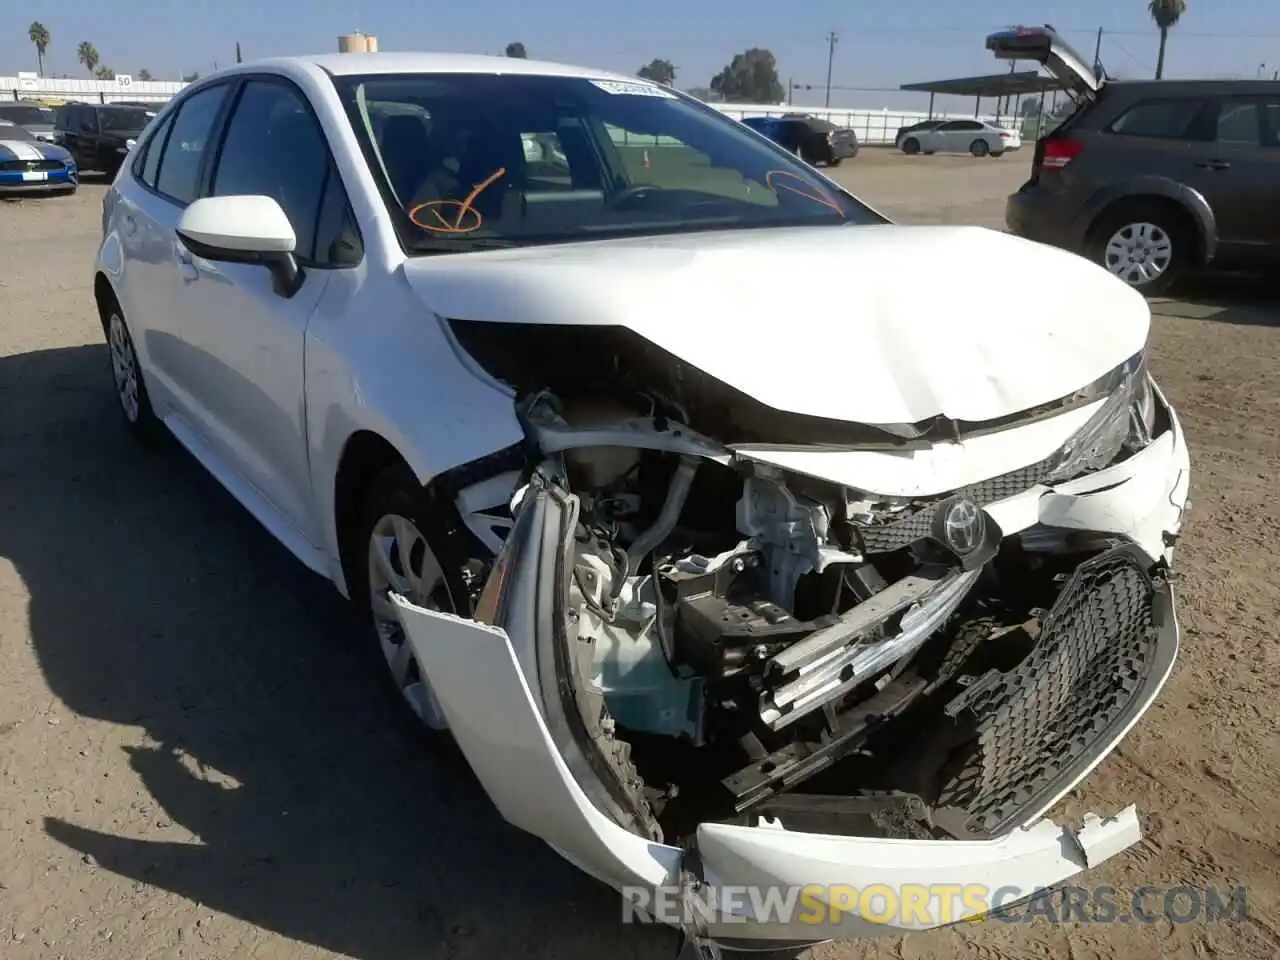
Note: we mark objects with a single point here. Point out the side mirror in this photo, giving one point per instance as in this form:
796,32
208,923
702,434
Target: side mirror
249,229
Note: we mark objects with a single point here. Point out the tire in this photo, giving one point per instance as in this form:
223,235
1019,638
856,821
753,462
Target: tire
911,146
834,161
397,511
126,376
979,148
1157,234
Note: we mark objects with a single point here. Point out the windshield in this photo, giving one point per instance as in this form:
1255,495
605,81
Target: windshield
123,119
27,116
10,131
469,161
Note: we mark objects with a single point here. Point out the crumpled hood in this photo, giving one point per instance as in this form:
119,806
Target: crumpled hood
870,324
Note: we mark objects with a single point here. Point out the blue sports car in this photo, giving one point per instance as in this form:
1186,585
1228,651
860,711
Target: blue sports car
28,165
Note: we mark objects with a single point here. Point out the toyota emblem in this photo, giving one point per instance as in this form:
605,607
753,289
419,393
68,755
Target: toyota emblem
963,526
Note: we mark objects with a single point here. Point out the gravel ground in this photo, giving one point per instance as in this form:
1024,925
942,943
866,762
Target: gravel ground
192,764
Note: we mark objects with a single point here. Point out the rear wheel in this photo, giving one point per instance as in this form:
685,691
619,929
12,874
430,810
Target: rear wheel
911,146
979,148
126,374
1148,246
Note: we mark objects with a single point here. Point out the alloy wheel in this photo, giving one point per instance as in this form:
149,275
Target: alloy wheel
124,367
1139,253
401,561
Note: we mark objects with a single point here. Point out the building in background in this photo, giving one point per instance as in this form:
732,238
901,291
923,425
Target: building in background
357,43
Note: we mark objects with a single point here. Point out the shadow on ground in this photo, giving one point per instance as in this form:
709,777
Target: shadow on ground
156,602
1235,298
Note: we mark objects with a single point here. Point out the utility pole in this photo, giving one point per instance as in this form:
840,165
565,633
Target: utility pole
1097,53
831,55
791,86
238,60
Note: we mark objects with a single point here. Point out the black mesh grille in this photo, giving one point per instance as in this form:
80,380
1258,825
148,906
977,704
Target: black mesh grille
1100,656
885,538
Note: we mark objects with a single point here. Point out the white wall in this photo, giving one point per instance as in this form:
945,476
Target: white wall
75,88
871,126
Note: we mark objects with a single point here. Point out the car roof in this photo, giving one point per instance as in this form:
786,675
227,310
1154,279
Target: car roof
1176,88
355,64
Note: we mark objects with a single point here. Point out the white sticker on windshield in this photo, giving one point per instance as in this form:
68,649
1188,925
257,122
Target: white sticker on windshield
626,87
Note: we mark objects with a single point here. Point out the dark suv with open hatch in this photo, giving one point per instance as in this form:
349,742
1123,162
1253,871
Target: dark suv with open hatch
1151,178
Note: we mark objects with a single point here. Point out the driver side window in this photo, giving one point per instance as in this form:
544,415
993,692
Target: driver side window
671,164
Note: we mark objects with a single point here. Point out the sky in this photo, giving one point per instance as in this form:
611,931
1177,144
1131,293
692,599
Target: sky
880,45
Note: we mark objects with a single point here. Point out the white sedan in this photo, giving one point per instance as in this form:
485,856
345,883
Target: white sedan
976,137
723,595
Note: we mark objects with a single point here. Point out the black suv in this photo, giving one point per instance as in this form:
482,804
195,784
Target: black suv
99,135
1150,178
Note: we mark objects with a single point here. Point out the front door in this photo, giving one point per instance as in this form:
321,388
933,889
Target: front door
250,340
1235,166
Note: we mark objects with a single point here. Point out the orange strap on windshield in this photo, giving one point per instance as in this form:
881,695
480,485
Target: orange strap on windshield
806,189
455,216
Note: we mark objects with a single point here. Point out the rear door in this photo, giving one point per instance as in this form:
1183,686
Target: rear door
1042,45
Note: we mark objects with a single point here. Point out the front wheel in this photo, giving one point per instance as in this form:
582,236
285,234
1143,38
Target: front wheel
402,552
1147,248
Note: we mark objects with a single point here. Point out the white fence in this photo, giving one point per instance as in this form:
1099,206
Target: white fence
871,126
123,87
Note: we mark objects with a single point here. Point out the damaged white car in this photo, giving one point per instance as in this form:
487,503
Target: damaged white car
710,591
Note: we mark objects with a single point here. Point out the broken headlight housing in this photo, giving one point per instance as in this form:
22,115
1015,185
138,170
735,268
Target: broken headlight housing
1123,424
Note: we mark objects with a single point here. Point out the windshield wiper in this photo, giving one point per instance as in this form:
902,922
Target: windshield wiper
462,244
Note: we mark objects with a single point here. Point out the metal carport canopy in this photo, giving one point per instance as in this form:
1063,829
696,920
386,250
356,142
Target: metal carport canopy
992,85
998,85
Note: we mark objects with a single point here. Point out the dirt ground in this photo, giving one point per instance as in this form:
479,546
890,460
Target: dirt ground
193,765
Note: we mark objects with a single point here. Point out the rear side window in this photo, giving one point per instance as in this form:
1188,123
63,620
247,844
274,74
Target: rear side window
1160,119
154,148
179,175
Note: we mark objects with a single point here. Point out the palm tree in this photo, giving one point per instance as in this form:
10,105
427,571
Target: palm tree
1166,14
38,34
87,54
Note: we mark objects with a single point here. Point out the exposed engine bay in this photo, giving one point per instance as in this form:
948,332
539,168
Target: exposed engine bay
763,642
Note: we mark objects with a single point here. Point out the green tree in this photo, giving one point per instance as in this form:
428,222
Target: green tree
191,77
751,77
659,71
144,75
703,94
38,34
516,49
1166,14
104,73
87,54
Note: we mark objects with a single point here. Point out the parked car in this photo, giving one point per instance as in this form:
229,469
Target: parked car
651,576
35,118
100,135
29,165
812,139
905,132
976,137
1152,178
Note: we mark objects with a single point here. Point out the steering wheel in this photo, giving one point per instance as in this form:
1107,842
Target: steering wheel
631,193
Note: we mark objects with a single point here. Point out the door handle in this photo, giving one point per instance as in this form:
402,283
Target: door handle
1214,165
187,266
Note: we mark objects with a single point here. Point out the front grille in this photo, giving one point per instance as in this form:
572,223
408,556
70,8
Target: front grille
1104,650
913,525
30,165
